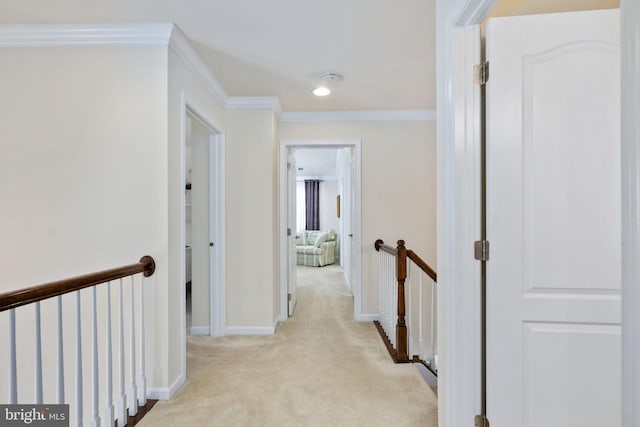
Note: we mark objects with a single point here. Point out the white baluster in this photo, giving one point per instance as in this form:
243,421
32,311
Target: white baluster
60,354
393,283
383,314
394,305
79,414
390,333
108,410
385,294
434,317
122,403
420,318
13,367
133,395
95,418
142,386
409,320
38,358
380,296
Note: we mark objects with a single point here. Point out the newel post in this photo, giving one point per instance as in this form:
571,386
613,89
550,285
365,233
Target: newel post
401,327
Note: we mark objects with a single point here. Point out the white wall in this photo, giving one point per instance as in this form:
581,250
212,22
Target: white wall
252,255
328,211
83,177
92,163
398,187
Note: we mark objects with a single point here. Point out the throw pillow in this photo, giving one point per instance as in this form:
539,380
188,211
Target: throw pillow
322,237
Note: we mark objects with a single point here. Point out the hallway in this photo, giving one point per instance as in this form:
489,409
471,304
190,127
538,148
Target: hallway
321,368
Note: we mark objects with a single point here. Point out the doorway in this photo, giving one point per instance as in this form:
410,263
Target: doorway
459,50
202,227
341,212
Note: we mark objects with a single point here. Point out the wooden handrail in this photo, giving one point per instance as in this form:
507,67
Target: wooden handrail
423,265
380,246
25,296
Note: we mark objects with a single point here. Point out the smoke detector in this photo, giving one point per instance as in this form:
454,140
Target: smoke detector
331,76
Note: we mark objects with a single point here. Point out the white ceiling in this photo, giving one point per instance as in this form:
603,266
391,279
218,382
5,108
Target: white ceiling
385,49
316,162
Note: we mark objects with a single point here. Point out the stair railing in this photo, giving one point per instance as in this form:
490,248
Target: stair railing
407,305
126,403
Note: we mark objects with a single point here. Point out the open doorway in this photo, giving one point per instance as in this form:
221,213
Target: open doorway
328,171
202,227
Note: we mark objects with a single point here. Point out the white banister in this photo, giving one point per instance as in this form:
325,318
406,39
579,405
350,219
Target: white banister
108,409
79,414
95,417
37,377
409,320
60,370
13,368
390,329
132,396
380,285
142,387
420,317
122,403
434,339
394,302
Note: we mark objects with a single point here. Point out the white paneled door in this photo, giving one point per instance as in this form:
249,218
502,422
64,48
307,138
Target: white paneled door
553,220
291,234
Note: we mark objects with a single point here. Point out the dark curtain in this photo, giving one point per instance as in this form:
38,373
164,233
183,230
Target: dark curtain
312,203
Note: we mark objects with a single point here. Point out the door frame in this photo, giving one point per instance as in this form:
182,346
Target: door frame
284,150
458,146
216,222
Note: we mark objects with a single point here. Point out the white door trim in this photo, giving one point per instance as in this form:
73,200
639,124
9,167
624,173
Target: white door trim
458,147
285,147
630,39
457,117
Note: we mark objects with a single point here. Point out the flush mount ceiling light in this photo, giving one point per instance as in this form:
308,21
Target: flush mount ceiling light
321,91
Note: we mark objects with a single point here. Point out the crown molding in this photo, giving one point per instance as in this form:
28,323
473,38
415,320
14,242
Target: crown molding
181,46
133,34
358,116
85,34
255,103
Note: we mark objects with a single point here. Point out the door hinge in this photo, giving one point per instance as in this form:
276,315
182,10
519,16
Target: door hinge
288,232
481,73
289,297
288,166
481,250
482,421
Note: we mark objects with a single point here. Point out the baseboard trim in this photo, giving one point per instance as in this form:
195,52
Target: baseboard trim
367,317
200,330
250,330
165,393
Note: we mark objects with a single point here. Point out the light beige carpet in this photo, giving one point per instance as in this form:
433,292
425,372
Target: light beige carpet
321,368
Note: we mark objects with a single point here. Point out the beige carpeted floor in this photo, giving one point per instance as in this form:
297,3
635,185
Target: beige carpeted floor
321,368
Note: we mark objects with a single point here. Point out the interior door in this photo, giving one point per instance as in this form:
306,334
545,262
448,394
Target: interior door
345,215
291,232
553,220
352,217
200,229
